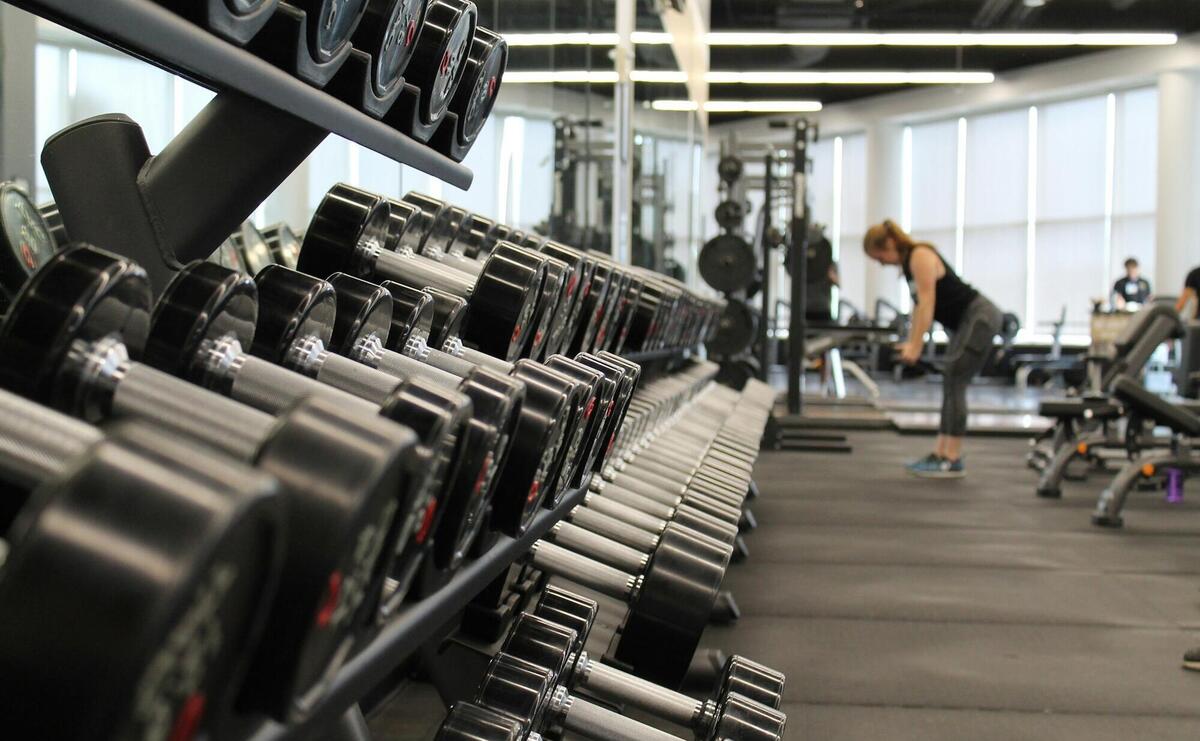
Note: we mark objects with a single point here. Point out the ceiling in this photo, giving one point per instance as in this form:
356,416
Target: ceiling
1179,16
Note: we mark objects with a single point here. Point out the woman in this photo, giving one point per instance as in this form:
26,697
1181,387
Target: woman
967,315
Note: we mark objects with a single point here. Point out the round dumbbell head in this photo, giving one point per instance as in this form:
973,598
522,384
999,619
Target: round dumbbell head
284,244
504,301
587,441
730,168
83,295
448,315
745,720
28,243
552,308
579,397
525,480
346,218
517,687
412,314
389,33
475,235
569,610
291,306
481,82
543,643
437,64
212,530
680,587
727,263
204,302
532,240
614,415
753,681
331,23
730,214
364,310
434,220
468,721
253,248
737,330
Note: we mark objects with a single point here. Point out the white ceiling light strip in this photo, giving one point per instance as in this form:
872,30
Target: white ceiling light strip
740,106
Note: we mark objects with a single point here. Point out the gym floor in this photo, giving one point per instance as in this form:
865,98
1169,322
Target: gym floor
907,609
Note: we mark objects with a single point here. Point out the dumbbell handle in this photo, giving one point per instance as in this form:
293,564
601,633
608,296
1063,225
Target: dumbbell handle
599,547
402,366
415,270
610,527
609,682
179,406
557,560
37,443
593,721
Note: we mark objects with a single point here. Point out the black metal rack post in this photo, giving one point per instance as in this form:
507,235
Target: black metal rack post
764,331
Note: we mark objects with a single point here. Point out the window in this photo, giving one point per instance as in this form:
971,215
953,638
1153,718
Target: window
1070,266
995,207
1135,181
933,185
852,219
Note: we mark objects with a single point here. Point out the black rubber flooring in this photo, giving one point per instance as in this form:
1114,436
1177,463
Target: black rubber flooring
907,609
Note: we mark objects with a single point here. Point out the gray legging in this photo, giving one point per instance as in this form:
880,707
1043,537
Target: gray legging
969,348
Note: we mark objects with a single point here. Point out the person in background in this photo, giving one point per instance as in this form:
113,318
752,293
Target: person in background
1191,294
1132,288
966,314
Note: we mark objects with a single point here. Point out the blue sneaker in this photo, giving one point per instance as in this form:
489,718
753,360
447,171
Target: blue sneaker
936,467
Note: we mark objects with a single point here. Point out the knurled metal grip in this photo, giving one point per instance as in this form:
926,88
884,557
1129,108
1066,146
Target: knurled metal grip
605,579
37,443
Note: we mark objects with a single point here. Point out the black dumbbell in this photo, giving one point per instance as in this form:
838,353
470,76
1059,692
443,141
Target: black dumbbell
169,551
472,103
439,58
349,234
207,316
428,227
670,601
67,342
330,25
361,332
535,696
531,638
389,32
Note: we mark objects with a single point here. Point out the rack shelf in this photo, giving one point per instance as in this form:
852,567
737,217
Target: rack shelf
161,37
415,625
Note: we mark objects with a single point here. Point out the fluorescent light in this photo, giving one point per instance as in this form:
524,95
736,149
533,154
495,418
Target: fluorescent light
608,77
584,38
740,106
599,77
940,38
820,77
653,75
674,105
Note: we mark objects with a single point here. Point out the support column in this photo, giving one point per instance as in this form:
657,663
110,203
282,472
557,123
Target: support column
1178,215
622,190
18,134
885,173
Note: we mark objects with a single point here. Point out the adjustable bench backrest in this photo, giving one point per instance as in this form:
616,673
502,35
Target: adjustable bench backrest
1149,328
1154,407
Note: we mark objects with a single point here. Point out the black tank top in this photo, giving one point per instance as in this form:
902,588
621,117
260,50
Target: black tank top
952,295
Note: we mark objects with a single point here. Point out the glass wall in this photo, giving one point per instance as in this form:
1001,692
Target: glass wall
1039,206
